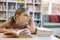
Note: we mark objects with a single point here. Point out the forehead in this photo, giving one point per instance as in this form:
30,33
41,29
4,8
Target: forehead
27,13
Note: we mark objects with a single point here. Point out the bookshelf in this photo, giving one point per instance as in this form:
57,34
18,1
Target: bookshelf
55,8
8,7
51,15
45,7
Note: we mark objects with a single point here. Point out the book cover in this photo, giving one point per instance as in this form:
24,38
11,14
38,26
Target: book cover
53,18
21,0
1,15
59,18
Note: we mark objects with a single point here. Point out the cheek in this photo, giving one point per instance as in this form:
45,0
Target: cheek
22,19
25,18
18,19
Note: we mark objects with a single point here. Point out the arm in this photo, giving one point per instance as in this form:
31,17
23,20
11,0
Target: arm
32,26
3,26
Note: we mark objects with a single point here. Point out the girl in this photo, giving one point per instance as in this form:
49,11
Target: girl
19,21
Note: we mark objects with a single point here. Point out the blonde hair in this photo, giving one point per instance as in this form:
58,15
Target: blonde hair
18,12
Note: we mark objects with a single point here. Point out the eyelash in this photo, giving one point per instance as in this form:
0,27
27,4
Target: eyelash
25,15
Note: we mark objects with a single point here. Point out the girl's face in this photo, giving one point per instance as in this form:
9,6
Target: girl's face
23,18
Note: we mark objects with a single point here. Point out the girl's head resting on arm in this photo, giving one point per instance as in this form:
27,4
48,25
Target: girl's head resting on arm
21,17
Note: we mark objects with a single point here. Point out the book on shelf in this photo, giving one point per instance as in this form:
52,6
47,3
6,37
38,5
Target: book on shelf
37,15
30,1
11,0
2,6
59,18
11,6
20,5
4,15
45,8
10,14
37,1
45,18
37,7
31,14
37,23
54,18
3,0
1,15
23,33
30,7
21,0
44,32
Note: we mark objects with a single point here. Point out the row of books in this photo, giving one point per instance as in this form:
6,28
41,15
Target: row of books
2,6
30,7
30,1
3,0
20,5
37,15
56,8
44,8
54,18
38,23
37,1
37,7
10,14
2,15
33,8
11,6
51,18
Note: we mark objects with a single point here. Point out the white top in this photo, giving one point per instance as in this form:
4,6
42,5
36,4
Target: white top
34,37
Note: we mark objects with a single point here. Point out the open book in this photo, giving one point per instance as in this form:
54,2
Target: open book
23,33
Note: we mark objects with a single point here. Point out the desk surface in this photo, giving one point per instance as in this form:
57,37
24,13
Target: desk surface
34,37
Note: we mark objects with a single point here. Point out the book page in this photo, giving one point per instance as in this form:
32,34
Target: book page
19,31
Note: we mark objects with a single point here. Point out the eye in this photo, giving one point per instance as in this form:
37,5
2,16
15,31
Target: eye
25,15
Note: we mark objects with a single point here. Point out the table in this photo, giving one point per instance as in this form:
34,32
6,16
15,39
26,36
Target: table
34,37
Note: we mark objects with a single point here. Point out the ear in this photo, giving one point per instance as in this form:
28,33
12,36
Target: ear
14,18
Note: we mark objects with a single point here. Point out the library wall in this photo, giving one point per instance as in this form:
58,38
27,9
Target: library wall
51,1
56,31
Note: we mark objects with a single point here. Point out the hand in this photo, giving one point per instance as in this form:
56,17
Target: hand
31,21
